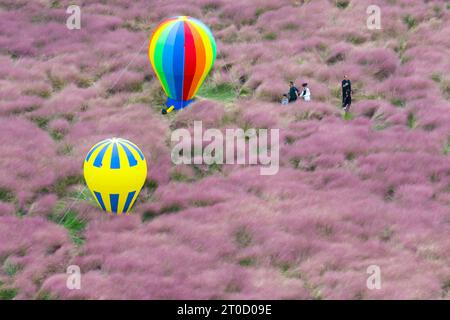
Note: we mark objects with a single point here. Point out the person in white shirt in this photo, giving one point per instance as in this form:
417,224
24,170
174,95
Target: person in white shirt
306,93
285,99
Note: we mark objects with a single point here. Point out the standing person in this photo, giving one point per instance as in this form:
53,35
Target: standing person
293,92
346,93
306,93
285,99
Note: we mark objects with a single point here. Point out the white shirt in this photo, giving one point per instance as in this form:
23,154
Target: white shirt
306,94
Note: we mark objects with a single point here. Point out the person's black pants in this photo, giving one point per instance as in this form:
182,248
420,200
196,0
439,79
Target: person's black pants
347,101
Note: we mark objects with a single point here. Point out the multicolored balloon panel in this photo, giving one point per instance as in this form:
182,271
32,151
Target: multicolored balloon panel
182,51
115,171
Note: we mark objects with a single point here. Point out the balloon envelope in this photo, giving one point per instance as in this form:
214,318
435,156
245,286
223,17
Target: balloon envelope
182,51
115,171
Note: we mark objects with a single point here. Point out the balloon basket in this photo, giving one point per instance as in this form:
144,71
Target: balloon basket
178,104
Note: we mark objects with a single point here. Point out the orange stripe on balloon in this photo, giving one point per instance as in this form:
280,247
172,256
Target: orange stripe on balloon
201,59
208,51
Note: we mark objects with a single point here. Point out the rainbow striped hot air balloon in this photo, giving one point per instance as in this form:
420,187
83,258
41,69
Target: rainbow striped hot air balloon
182,51
115,171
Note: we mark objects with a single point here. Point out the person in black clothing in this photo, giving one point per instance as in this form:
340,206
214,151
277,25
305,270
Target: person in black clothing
293,92
346,94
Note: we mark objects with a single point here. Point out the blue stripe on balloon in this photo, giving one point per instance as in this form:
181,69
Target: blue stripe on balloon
169,54
93,149
115,160
114,200
131,159
178,61
128,202
135,148
99,158
98,195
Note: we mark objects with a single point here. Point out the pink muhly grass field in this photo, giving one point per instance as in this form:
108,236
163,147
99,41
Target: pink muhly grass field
369,188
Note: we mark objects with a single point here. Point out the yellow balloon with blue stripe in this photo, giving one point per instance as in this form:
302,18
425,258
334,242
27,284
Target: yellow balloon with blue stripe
115,171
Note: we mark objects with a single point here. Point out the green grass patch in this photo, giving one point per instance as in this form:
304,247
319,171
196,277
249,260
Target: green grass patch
172,208
57,83
398,102
446,286
74,225
386,234
389,194
270,36
84,82
336,58
245,92
225,92
45,295
445,88
348,116
380,122
410,21
401,47
202,203
289,140
411,120
83,195
308,115
436,77
44,93
233,287
8,293
148,216
447,146
247,262
151,185
57,135
41,122
62,184
356,39
55,4
342,4
290,26
65,149
202,171
243,238
336,92
178,176
6,195
11,269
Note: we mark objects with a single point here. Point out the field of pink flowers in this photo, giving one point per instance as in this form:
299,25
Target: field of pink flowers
370,188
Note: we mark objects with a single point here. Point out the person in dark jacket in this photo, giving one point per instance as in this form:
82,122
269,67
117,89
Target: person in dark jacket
346,93
293,92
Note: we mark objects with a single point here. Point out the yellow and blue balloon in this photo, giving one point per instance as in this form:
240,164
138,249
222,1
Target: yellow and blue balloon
182,51
115,171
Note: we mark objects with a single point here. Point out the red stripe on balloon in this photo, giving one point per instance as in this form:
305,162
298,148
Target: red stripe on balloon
190,60
200,59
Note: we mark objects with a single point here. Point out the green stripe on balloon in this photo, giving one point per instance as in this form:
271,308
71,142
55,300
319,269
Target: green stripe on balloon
159,51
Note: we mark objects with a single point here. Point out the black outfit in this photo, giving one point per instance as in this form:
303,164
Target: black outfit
293,94
346,93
